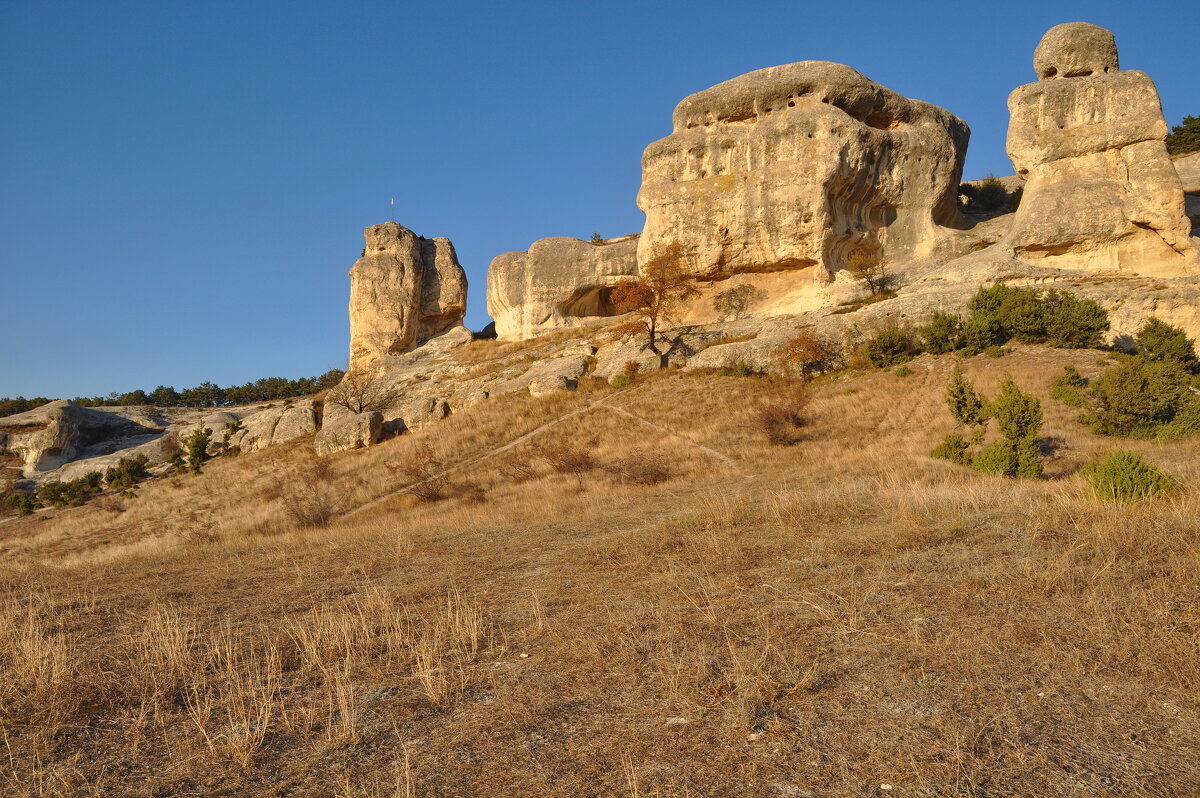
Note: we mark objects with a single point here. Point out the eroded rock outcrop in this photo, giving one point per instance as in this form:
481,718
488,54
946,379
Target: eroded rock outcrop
795,166
50,436
403,290
1101,193
556,283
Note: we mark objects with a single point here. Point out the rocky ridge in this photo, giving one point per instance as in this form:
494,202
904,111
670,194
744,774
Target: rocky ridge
768,181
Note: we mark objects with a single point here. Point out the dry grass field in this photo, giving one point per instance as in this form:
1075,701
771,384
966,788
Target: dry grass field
844,617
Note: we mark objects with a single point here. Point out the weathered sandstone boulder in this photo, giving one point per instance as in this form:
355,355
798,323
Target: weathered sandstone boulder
350,431
274,425
556,283
1101,194
403,290
794,167
556,374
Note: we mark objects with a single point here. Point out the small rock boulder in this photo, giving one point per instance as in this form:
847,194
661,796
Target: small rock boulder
350,431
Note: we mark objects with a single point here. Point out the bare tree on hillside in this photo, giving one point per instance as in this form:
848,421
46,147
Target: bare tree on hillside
359,392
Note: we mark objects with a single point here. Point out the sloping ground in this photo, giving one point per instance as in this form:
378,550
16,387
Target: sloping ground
844,617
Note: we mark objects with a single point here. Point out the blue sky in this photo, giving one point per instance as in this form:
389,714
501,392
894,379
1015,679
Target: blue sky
184,185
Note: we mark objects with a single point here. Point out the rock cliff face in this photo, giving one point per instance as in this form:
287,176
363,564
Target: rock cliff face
556,283
403,290
1101,194
795,166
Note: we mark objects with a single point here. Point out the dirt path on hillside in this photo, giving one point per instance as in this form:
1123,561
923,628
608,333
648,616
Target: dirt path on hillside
591,405
724,458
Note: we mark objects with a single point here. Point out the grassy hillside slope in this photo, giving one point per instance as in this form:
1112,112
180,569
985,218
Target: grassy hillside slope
845,617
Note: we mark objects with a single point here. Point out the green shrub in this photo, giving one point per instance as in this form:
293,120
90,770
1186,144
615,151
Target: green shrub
1071,378
73,493
1073,323
1123,476
1136,397
128,472
23,503
1018,414
621,381
197,448
990,194
954,447
967,407
1186,421
943,333
996,351
1056,318
903,371
1185,137
890,346
1158,340
999,458
980,333
1067,395
742,369
1029,458
1066,387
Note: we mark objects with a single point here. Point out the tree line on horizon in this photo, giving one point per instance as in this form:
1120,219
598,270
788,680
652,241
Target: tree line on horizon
206,394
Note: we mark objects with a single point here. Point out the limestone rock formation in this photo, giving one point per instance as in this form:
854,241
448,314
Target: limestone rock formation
1101,193
794,167
47,437
403,290
272,426
556,283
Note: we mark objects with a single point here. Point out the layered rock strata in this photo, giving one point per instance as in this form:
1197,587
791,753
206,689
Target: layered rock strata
403,290
795,167
556,283
1101,193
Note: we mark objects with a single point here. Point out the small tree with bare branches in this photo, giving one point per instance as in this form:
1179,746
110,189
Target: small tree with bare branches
359,392
865,264
653,298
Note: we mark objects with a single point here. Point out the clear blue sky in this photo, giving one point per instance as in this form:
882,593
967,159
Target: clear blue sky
184,185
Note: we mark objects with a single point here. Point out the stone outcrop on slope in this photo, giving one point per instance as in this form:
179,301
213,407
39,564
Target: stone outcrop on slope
794,167
1101,194
556,283
403,290
50,436
349,431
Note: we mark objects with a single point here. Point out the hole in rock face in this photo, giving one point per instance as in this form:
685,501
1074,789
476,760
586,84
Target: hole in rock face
881,120
1050,73
589,302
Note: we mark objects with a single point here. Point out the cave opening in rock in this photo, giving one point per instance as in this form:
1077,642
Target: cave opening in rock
594,301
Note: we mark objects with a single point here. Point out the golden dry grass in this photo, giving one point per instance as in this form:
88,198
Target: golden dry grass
818,620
